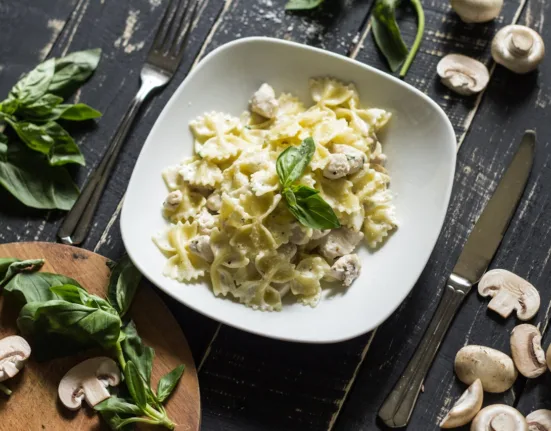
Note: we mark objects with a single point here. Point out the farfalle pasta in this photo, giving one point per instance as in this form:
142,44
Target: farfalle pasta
229,221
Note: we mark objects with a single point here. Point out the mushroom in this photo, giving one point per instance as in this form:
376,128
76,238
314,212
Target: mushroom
518,48
526,350
548,357
466,407
539,420
509,292
499,417
14,352
495,369
88,380
477,10
463,74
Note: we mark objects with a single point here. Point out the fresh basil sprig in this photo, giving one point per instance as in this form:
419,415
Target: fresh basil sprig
60,315
305,203
31,110
388,37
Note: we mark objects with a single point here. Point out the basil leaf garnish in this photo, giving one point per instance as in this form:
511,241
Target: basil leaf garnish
292,162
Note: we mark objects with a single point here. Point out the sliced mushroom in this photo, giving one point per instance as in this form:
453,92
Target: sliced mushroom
14,352
539,420
88,380
518,48
495,369
509,292
499,417
477,10
466,407
463,74
526,350
548,357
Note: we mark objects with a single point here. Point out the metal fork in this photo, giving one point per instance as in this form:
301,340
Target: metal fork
161,64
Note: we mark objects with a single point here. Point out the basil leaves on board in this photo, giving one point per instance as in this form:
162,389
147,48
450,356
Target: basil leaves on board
59,317
388,37
33,154
305,203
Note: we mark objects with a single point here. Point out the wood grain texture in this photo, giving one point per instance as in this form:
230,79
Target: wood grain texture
34,401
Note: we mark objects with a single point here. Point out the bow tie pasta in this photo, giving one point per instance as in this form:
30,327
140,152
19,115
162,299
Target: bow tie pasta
229,220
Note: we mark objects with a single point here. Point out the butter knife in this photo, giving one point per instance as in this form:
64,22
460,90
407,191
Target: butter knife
475,258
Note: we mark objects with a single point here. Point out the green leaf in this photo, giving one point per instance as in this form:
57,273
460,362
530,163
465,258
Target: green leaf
50,139
123,285
9,106
79,322
292,162
312,211
40,107
30,179
135,351
5,263
34,84
303,192
16,267
168,382
73,70
290,197
387,33
302,4
78,112
28,287
135,385
118,405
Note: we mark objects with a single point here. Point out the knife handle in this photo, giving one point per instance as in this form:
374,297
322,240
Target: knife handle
397,408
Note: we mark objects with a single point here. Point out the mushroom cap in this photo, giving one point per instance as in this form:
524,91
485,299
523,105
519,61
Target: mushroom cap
499,417
14,352
463,74
509,292
88,380
526,350
477,10
518,48
466,407
539,420
495,369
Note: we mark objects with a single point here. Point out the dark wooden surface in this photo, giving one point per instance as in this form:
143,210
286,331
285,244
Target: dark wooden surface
251,383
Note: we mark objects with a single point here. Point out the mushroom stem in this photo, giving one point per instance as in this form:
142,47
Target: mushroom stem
5,390
95,392
520,43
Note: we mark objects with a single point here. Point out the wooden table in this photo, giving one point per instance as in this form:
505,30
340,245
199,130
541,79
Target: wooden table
252,383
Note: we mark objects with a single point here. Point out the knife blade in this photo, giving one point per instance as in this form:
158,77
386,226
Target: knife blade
473,261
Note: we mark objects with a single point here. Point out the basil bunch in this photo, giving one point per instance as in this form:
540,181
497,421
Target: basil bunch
304,202
32,169
60,317
388,37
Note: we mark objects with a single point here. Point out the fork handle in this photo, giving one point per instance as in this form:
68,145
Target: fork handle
75,227
397,408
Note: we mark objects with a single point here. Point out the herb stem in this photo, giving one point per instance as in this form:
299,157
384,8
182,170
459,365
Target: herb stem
418,38
120,356
160,417
5,390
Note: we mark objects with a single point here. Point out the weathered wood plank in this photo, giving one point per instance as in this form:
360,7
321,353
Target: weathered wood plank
510,105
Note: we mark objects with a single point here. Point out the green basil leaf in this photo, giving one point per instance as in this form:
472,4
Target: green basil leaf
168,382
73,70
79,322
135,385
40,107
9,106
78,112
5,263
387,33
16,267
292,162
115,404
28,287
30,179
302,4
50,139
123,285
315,213
71,293
35,83
303,192
290,197
135,351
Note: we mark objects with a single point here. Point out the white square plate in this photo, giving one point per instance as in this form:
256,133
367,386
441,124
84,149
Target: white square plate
419,142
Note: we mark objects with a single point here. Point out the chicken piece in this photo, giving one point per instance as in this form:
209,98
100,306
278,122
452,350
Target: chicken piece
200,246
299,234
206,222
356,159
173,200
337,167
318,234
264,102
339,242
289,250
347,269
214,202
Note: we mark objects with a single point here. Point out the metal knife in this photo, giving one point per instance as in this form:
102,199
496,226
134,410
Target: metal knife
471,265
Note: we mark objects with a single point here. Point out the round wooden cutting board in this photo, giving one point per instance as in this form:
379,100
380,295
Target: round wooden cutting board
34,404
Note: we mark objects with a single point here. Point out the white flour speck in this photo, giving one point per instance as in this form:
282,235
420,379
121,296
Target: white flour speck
155,3
129,28
56,25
